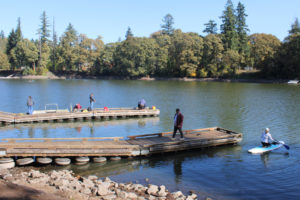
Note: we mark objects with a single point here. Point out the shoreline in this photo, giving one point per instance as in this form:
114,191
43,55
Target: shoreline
64,184
75,76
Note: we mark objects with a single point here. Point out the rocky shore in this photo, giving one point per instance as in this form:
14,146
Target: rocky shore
65,185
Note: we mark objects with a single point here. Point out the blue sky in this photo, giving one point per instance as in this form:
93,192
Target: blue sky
110,19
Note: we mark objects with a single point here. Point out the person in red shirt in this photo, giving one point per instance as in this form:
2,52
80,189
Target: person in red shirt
178,121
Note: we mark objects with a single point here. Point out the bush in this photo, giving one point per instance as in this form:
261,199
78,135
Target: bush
28,71
41,71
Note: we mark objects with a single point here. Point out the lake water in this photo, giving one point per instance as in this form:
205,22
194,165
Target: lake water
228,172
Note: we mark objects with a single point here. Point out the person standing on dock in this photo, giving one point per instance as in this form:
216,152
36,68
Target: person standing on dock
92,101
30,104
178,121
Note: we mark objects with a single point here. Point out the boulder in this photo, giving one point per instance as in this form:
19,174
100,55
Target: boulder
152,190
132,195
177,194
103,188
92,177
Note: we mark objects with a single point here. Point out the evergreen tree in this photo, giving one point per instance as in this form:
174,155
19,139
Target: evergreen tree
2,36
228,28
18,31
44,28
295,28
12,41
167,26
210,27
53,56
128,33
241,27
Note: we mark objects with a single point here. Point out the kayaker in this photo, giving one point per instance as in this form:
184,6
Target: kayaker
266,138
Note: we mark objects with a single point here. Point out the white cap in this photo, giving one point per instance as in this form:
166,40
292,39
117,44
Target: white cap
267,129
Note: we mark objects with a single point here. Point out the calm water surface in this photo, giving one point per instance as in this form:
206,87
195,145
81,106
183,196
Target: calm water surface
221,173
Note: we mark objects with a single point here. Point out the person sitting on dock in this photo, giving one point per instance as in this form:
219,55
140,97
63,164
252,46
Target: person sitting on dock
92,101
77,107
30,104
266,138
178,121
142,104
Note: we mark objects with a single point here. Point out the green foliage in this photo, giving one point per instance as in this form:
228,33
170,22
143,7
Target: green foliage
41,71
228,28
128,33
212,56
167,52
4,64
167,26
44,28
263,47
28,71
210,27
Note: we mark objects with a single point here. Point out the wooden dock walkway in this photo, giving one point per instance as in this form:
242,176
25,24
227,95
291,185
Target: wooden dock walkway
138,145
65,115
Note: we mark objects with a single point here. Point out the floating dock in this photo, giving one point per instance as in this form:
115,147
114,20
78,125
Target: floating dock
65,115
137,145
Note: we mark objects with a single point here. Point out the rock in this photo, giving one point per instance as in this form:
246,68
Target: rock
86,191
107,179
122,194
132,195
35,174
87,183
93,178
141,198
151,197
152,190
177,194
162,191
103,188
194,196
109,197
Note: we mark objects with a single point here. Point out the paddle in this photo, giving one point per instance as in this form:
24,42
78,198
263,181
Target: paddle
286,146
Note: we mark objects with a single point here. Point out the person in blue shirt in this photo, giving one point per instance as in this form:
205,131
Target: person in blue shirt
266,138
142,104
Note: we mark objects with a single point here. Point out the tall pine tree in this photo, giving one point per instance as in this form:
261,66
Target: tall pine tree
19,31
228,27
44,28
128,33
295,28
210,27
241,28
167,26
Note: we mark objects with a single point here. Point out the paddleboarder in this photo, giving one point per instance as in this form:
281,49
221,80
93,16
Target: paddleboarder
266,138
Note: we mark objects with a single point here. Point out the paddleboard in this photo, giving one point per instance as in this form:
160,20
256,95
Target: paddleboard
261,149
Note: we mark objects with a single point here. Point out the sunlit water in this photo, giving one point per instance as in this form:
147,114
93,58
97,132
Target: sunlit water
228,172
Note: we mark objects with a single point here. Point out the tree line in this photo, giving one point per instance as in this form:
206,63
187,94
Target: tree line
168,52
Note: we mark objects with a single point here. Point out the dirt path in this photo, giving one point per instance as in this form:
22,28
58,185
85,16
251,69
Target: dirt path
10,191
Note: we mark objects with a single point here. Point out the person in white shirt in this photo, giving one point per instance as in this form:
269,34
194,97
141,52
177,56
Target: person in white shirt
266,138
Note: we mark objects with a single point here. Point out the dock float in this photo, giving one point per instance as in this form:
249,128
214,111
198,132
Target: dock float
65,115
137,145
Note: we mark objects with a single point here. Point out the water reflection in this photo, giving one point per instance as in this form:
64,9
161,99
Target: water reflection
265,159
75,129
178,168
